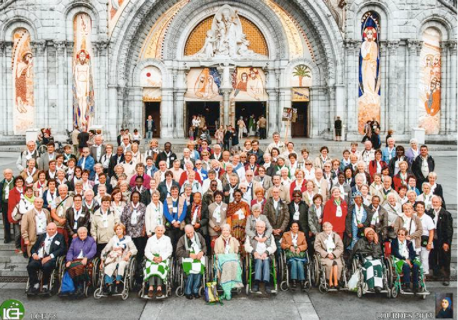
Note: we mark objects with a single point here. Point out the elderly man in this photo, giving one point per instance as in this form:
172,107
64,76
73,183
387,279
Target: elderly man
98,149
387,189
49,246
59,208
441,253
257,152
389,152
6,186
368,154
191,249
125,143
422,166
284,190
167,155
216,166
277,143
129,165
186,158
276,210
29,153
33,223
86,162
321,184
261,252
216,155
48,156
159,175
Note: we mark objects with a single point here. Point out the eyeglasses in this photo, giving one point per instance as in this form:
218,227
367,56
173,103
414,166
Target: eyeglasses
248,175
308,164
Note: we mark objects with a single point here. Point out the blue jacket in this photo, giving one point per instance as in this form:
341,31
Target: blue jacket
386,154
203,174
395,249
88,246
89,165
170,216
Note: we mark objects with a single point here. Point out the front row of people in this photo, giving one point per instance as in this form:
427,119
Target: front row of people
191,254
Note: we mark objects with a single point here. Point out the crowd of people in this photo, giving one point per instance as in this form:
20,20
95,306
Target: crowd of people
117,202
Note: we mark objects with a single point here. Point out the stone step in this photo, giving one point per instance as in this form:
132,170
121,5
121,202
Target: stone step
9,273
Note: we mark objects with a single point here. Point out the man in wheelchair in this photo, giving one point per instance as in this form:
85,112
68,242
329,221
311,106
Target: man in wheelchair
261,252
404,262
44,254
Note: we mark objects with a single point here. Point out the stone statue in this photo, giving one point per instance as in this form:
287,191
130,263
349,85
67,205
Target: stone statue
226,39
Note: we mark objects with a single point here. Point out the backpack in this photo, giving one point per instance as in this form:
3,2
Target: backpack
211,294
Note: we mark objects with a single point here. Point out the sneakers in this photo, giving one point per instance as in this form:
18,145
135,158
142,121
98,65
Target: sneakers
255,288
267,286
293,284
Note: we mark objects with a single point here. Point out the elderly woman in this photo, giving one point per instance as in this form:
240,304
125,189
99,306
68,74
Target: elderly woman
259,197
299,183
412,224
255,216
294,244
309,193
154,215
368,250
124,187
117,204
413,151
158,251
102,224
216,217
309,170
436,188
394,210
405,260
426,196
315,215
229,269
359,217
237,214
41,185
115,256
118,170
329,246
82,249
335,212
376,186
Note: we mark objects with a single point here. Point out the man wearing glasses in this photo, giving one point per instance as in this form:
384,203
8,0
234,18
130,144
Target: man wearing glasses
203,173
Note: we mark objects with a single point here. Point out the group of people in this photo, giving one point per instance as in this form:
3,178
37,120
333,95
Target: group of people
117,202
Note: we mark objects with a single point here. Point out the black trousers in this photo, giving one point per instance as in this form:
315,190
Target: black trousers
6,223
140,243
174,234
438,259
262,133
35,265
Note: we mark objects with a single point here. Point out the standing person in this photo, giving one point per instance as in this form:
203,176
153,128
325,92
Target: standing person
74,137
6,186
338,129
375,139
241,128
229,137
422,166
389,134
83,138
262,124
150,126
251,126
219,135
167,155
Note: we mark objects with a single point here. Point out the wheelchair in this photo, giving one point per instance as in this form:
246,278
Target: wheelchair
249,273
168,283
214,274
54,279
91,266
320,275
396,281
179,278
285,272
357,266
128,280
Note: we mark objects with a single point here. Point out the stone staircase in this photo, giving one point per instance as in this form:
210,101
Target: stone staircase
13,266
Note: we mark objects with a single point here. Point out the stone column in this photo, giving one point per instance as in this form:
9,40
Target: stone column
412,81
40,84
3,102
69,87
60,84
272,105
226,105
384,92
180,90
101,93
166,111
124,109
351,117
452,116
393,86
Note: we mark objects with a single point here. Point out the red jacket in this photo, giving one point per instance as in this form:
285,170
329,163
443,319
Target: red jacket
293,186
255,171
329,215
184,177
13,199
373,167
397,181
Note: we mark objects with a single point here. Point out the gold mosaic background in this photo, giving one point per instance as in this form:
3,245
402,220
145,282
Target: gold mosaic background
196,39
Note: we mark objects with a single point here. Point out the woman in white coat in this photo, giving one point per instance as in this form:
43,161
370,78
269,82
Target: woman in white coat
154,215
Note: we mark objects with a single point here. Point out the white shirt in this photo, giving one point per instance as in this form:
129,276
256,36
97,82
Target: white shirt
261,246
427,223
40,221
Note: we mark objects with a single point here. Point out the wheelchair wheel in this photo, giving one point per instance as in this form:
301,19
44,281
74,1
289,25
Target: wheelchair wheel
125,294
247,290
359,293
322,288
131,272
394,292
179,292
284,286
95,271
316,270
98,294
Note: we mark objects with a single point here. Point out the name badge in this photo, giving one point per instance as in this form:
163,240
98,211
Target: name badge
57,242
175,210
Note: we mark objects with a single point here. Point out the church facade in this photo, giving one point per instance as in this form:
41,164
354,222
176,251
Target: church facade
111,63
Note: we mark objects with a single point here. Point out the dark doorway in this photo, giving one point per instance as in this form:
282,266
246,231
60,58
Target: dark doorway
247,108
299,128
210,110
154,109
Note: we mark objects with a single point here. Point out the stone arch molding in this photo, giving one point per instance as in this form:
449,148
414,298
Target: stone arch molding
166,81
181,27
69,16
439,19
288,71
19,19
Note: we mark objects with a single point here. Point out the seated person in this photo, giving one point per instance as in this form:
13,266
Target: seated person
369,251
158,251
251,220
191,249
295,245
82,249
261,252
44,253
115,256
229,269
329,246
404,257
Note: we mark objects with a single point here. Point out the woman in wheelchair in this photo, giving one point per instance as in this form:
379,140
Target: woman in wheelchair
82,249
329,247
158,251
116,255
295,245
369,251
227,261
404,262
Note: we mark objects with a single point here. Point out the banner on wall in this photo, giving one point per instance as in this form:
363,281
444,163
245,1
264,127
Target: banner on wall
300,94
249,84
203,85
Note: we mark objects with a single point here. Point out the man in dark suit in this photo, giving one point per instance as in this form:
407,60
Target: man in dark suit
422,166
118,139
167,155
98,149
257,152
44,254
118,158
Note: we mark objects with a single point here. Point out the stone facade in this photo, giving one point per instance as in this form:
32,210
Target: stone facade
332,28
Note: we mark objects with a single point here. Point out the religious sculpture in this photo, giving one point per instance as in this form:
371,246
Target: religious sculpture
226,39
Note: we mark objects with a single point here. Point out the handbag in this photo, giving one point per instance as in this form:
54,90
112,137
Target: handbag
211,294
67,285
353,283
424,241
16,215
